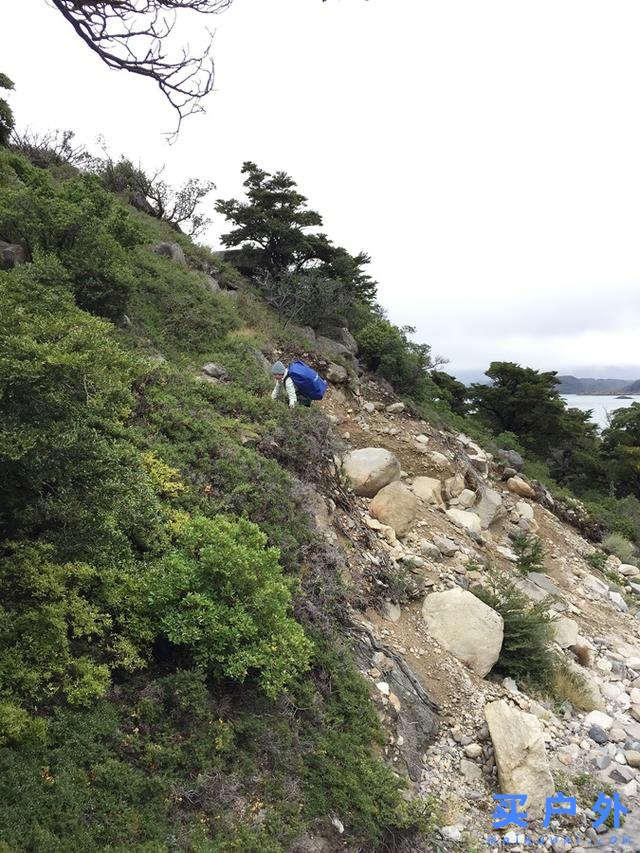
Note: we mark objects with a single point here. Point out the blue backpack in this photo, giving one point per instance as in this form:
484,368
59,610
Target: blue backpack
307,381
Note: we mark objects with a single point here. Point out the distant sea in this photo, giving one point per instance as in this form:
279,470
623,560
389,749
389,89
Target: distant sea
600,404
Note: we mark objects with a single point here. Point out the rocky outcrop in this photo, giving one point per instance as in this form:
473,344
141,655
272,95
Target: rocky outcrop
11,255
396,506
336,373
521,758
171,250
466,627
565,632
370,469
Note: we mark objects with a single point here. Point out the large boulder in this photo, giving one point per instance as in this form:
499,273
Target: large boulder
520,487
11,255
370,469
332,349
521,758
428,489
171,250
511,458
466,520
489,507
467,627
396,506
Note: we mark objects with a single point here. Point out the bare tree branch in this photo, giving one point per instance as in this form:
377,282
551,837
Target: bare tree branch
131,35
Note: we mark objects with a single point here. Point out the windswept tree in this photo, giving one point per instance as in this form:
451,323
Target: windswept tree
134,36
300,271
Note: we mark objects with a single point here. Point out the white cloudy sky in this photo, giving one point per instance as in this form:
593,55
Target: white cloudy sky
486,153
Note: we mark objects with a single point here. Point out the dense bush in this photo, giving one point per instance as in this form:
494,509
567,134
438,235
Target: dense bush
6,114
65,393
621,547
221,593
85,227
387,350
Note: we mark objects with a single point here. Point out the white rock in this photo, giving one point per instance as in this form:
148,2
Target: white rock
370,469
395,408
454,486
466,520
521,759
466,627
598,718
507,553
618,602
467,498
438,459
628,570
489,508
383,687
428,489
525,510
396,506
565,632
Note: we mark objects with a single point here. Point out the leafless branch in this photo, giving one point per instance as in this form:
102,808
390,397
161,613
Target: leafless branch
131,35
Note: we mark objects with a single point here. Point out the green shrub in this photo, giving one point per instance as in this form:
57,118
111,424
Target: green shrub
596,560
525,653
387,350
618,545
509,441
530,553
64,397
220,593
86,228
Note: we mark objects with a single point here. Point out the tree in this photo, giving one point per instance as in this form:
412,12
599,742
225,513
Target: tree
6,114
148,192
278,249
621,445
454,393
132,35
523,401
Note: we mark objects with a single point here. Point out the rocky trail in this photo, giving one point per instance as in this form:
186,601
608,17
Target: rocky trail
436,507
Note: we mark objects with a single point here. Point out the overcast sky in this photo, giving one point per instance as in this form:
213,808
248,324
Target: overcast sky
486,153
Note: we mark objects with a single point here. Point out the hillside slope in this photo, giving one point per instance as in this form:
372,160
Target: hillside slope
209,640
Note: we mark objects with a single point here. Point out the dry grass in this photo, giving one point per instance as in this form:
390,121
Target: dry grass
583,655
567,685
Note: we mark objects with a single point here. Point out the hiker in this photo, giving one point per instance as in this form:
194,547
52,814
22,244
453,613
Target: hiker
299,382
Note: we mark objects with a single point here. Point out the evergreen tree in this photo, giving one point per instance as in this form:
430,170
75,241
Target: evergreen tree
6,113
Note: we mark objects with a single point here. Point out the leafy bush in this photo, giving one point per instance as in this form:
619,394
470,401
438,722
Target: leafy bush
596,560
387,350
77,221
525,653
509,441
64,397
530,553
621,547
220,593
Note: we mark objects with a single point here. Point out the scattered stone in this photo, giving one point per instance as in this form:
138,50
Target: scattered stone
520,755
618,602
439,460
428,489
473,750
467,498
396,506
466,627
598,718
171,250
445,545
336,373
525,510
454,486
632,757
466,520
215,370
369,407
370,469
451,833
520,487
391,611
395,408
470,770
565,632
430,551
489,508
598,734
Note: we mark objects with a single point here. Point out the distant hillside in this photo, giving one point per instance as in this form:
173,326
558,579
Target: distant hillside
575,385
634,388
